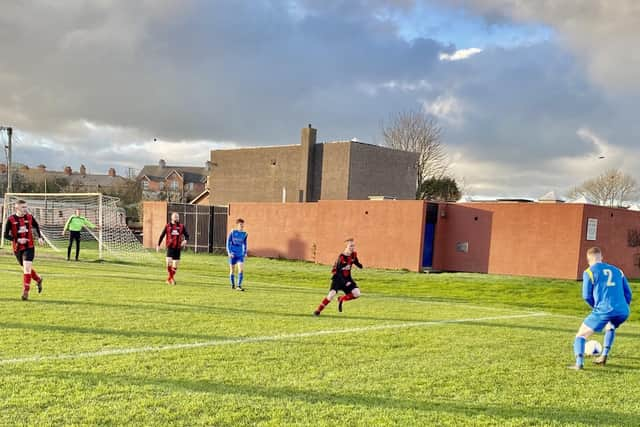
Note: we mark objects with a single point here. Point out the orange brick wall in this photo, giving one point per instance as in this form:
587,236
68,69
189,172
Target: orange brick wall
457,225
388,233
535,239
529,239
611,237
277,230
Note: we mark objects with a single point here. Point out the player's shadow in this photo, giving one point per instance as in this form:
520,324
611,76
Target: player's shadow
39,327
297,248
616,367
219,309
269,313
532,327
632,357
543,414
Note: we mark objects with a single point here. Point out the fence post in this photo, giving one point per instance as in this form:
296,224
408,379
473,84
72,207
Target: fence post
212,222
195,247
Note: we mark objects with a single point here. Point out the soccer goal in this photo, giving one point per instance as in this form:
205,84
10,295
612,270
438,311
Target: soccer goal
112,237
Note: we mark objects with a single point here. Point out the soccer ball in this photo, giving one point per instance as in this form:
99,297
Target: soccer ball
592,348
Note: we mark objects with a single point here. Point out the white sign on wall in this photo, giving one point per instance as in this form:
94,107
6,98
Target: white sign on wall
592,228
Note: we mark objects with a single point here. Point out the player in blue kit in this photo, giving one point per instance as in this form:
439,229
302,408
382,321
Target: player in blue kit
237,251
607,291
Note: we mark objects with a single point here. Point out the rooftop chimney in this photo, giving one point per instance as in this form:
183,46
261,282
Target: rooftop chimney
112,172
208,165
307,146
162,163
83,171
68,171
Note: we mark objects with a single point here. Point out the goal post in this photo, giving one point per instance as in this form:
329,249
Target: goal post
112,236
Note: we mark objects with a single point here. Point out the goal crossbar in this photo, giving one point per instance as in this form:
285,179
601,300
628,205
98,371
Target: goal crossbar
53,209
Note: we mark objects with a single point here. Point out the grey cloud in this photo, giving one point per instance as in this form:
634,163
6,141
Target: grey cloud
255,72
602,33
210,70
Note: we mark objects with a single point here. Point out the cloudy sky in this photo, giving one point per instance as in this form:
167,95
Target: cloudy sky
529,92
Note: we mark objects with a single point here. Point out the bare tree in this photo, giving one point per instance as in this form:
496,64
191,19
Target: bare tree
420,133
612,188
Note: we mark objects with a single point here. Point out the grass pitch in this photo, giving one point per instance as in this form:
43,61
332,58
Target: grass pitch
111,344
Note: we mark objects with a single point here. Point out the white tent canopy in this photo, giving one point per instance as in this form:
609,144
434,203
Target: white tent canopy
551,196
581,200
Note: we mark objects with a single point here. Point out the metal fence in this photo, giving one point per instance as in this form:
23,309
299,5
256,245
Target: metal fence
206,225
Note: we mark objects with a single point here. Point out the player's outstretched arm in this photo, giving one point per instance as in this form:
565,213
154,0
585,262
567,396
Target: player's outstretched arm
162,236
229,240
356,261
185,234
66,225
587,288
7,231
245,245
89,224
36,227
336,266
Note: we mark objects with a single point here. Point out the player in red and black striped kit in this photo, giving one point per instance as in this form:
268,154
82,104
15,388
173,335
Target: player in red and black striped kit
176,239
20,229
342,280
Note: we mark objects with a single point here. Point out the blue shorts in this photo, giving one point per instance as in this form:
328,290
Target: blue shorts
597,321
234,259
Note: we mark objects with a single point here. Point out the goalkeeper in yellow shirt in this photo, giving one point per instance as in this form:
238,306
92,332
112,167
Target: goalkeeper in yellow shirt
75,224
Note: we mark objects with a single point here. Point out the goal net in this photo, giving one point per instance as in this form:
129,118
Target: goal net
111,237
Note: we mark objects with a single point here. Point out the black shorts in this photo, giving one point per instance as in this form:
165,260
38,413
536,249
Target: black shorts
26,255
339,285
74,235
173,253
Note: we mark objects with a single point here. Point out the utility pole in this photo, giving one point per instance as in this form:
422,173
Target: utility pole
9,149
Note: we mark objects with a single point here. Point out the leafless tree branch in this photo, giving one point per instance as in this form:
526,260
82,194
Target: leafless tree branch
612,188
420,133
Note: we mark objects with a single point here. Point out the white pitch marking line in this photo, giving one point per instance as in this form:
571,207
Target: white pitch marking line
249,340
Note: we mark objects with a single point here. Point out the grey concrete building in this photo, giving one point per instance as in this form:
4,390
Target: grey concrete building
308,172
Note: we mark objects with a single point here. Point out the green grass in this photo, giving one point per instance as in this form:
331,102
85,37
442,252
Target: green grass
507,371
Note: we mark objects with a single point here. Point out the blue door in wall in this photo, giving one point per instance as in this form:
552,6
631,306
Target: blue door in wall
429,235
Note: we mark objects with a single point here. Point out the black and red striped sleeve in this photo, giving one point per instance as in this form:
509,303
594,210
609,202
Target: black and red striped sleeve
8,234
162,235
35,226
356,260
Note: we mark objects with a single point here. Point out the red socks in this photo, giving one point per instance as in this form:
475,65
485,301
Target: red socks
348,297
34,275
172,272
323,304
26,282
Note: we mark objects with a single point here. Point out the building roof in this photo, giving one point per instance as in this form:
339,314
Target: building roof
199,197
102,180
189,173
332,142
